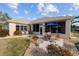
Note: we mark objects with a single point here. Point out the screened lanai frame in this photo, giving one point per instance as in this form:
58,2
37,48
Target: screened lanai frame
55,27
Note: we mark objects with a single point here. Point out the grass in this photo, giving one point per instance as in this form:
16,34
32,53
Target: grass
76,34
13,46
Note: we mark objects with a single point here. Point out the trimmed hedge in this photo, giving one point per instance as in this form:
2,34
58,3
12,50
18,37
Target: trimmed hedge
30,32
4,32
17,32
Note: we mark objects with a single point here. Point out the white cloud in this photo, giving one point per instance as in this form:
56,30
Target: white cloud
52,8
34,18
32,6
44,9
41,7
75,6
44,14
30,18
71,9
67,15
26,12
70,15
15,11
64,15
14,7
59,15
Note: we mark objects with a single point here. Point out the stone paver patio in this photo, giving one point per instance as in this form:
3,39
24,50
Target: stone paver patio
68,44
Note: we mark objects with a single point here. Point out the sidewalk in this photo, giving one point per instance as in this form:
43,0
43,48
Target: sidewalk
24,36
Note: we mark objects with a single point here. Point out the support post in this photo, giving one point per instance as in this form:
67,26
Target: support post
68,28
43,28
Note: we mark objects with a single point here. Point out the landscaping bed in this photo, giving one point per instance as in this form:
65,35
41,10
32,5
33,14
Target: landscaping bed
13,46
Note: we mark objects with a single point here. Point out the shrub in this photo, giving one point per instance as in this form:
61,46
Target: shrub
58,51
30,32
17,32
4,32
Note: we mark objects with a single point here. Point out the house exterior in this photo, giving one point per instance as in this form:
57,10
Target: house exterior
55,25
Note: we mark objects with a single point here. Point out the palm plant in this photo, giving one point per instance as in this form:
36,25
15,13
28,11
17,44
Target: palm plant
4,16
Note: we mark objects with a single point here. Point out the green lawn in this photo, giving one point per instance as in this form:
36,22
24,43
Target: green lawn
13,46
76,34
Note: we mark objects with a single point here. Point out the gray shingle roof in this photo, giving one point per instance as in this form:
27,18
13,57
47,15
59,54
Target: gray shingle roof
21,21
42,20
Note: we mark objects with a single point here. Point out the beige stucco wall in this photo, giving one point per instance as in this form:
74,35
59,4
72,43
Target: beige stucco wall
12,28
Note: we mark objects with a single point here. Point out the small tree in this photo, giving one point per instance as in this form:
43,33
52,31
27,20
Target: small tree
4,16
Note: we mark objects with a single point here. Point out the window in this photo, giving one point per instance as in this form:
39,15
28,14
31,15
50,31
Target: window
17,27
36,27
25,28
21,27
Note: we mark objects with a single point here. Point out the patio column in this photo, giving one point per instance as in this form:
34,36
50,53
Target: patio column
19,27
43,28
31,27
28,27
12,28
68,28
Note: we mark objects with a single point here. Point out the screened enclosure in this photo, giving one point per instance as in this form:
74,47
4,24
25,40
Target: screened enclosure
55,27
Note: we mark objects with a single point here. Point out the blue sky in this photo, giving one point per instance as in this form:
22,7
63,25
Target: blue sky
37,10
